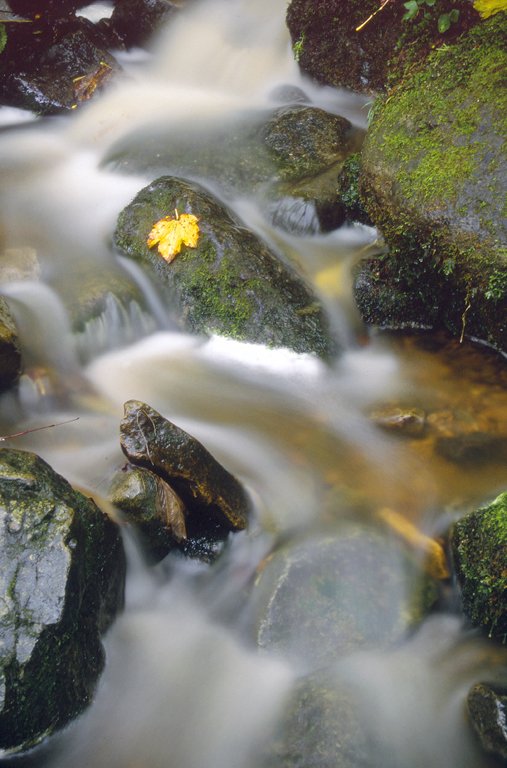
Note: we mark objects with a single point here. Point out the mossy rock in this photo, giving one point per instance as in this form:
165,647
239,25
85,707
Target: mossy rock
330,49
283,157
487,711
434,181
62,571
479,550
326,596
10,354
229,284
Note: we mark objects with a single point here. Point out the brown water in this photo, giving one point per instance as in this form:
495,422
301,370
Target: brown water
182,689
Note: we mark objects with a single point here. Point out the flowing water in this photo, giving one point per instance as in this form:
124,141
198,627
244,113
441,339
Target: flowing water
183,688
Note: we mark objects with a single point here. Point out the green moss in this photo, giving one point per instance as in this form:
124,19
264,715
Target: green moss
479,543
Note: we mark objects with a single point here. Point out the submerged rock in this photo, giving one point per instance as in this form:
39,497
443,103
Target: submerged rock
289,159
152,507
62,577
434,182
10,354
230,283
479,549
215,501
487,710
323,597
321,728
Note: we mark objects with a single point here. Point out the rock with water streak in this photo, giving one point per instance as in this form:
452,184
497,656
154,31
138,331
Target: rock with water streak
215,501
320,598
322,727
62,577
10,355
135,21
487,710
152,507
479,549
230,284
289,159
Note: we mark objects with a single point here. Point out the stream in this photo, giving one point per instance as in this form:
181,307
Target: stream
183,686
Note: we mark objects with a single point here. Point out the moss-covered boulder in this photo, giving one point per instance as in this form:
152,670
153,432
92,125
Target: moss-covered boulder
287,158
434,181
479,550
10,354
215,501
62,574
229,284
329,47
321,727
323,597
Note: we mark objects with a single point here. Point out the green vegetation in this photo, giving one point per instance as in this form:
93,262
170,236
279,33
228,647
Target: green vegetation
3,37
444,21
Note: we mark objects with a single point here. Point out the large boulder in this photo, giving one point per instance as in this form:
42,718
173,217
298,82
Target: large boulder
487,711
62,572
230,284
434,181
320,598
288,158
479,549
10,355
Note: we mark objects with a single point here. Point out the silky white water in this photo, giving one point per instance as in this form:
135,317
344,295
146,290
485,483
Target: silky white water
183,687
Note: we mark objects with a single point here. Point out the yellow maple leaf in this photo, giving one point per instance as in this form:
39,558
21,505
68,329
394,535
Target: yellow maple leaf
488,8
172,233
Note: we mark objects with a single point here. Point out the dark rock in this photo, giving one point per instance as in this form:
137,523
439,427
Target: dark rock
410,422
288,159
63,568
153,509
52,8
10,355
53,68
472,447
321,598
434,181
479,549
321,728
487,709
215,500
135,21
230,284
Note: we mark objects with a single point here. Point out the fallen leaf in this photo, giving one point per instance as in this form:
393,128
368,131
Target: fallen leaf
488,8
172,233
86,85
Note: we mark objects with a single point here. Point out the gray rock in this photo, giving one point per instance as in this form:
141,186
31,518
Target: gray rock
10,354
323,597
230,283
62,577
216,502
487,709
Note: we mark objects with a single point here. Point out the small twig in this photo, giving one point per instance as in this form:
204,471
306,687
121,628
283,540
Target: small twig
380,8
36,429
464,319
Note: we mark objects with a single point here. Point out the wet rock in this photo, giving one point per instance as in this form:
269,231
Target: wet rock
10,354
153,509
321,728
19,264
135,21
323,597
329,47
62,576
403,421
487,709
479,550
472,447
286,157
434,182
215,501
50,67
229,284
53,8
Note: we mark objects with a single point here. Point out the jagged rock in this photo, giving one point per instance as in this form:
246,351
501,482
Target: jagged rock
215,501
229,284
479,549
62,572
